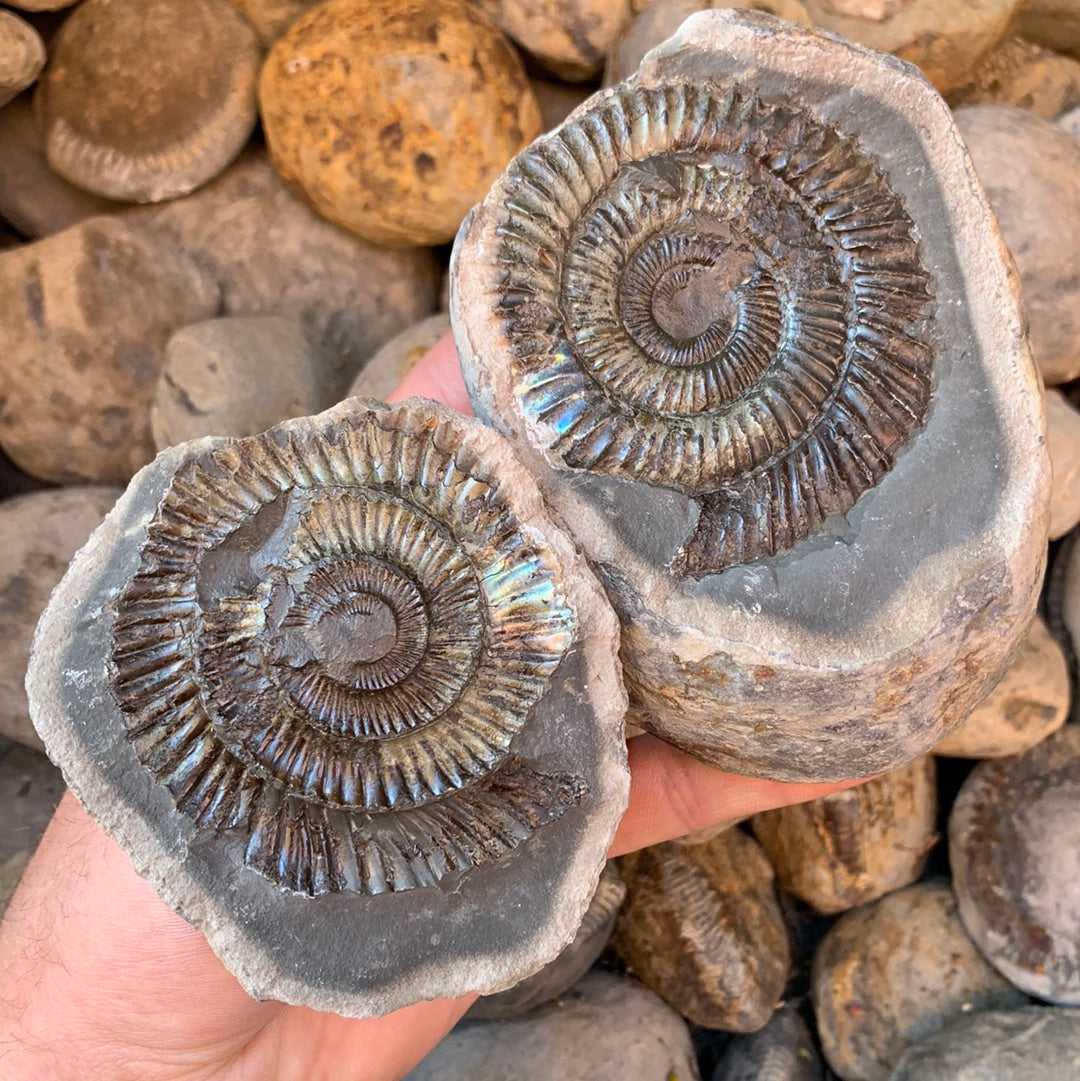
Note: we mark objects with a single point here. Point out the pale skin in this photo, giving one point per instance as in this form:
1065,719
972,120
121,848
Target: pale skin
100,981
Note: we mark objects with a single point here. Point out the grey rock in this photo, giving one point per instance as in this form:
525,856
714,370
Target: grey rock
22,55
313,594
891,973
855,650
239,376
39,534
272,255
1039,1043
1029,168
84,317
607,1028
557,977
30,788
382,373
782,1051
1014,847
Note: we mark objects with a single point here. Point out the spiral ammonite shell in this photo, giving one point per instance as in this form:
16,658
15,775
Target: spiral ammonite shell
717,293
329,645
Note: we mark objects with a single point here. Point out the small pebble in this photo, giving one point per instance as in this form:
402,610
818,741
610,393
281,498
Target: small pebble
1014,847
380,375
850,847
702,927
22,55
116,103
892,972
1063,442
607,1028
87,315
1030,702
1029,168
782,1051
1038,1043
394,119
239,376
272,255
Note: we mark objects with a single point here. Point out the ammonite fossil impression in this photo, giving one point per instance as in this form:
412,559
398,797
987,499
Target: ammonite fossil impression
348,658
712,292
749,320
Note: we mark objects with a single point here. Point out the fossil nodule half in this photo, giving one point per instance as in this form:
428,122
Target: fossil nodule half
749,319
343,690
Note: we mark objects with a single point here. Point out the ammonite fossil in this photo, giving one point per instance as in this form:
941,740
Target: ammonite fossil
748,326
300,673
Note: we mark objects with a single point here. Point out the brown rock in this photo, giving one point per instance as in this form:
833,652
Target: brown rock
1030,702
271,18
946,40
702,927
566,38
1029,168
380,375
1053,23
557,100
42,5
1014,846
117,104
393,120
1063,441
84,317
272,256
1023,75
22,55
893,972
39,533
851,847
34,199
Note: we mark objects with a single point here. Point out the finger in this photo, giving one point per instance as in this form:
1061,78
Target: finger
436,375
672,795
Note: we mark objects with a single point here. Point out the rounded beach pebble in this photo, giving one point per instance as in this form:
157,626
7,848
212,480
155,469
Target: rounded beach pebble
1014,847
393,119
22,55
892,972
1063,440
802,442
39,532
382,373
342,690
117,104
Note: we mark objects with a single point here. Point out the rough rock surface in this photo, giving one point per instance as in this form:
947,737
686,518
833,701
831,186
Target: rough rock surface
702,927
33,198
1063,440
557,977
998,1045
1030,702
608,1028
1022,75
855,650
851,847
22,55
382,373
84,317
1028,168
891,973
946,40
314,588
783,1050
39,534
347,127
136,130
241,375
1014,846
272,256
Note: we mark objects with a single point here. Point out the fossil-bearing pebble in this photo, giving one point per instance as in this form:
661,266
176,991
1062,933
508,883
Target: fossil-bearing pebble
738,320
1014,847
894,971
117,106
342,691
393,119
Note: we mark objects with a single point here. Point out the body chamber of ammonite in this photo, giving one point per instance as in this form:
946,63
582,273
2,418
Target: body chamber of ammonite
749,320
351,702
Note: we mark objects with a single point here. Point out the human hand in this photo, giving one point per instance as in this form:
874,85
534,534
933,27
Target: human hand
100,981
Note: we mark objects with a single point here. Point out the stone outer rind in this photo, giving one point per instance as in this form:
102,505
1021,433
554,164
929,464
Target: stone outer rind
781,667
1014,848
330,959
